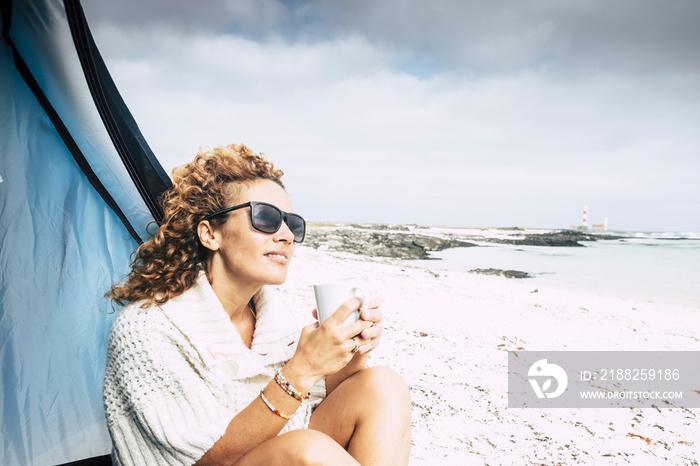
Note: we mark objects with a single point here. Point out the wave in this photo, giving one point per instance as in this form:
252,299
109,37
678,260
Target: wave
671,235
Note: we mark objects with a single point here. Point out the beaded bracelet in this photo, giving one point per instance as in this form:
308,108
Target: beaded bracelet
272,408
282,382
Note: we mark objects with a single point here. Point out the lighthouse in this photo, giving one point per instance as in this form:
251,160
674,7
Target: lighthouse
584,224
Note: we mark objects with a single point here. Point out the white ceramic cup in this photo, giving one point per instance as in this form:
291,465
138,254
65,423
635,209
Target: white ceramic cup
330,296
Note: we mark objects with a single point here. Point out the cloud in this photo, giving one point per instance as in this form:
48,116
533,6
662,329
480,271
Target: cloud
381,111
628,36
622,36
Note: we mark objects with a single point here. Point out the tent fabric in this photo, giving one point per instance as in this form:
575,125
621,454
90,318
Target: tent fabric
61,245
61,127
144,170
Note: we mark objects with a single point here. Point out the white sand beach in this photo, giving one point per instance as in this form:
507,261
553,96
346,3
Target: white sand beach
449,334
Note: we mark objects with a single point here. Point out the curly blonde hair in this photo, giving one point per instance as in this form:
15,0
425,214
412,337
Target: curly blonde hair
168,264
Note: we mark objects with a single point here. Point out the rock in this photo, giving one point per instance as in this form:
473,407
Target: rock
380,243
396,241
561,238
501,272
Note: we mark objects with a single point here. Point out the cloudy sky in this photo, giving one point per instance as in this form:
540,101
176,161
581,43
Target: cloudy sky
440,112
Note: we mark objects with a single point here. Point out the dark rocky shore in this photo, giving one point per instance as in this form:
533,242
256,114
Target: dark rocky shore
379,243
559,238
398,241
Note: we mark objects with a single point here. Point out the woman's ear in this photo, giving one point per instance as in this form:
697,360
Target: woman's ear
207,235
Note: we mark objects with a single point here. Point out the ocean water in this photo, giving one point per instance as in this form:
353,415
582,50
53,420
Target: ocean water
656,267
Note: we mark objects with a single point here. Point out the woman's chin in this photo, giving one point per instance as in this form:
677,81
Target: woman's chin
278,282
276,278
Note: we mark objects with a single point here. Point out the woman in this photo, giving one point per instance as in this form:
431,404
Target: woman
205,364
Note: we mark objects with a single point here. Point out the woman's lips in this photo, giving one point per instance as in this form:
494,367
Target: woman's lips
278,256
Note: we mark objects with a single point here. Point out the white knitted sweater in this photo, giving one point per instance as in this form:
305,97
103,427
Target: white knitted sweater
178,373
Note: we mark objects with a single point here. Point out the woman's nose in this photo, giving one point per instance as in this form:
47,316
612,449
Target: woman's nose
284,233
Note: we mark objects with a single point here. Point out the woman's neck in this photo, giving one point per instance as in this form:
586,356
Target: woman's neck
236,302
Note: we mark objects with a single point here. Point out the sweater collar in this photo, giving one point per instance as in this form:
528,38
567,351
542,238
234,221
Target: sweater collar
201,316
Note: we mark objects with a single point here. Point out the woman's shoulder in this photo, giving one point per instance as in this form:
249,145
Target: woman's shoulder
136,312
141,315
136,321
143,343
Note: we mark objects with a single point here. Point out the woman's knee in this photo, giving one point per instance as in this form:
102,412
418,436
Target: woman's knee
384,379
385,385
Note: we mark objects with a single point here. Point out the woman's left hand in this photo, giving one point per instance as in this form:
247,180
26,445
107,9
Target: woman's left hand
369,338
366,341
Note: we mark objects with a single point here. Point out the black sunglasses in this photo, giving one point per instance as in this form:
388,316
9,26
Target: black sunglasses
268,219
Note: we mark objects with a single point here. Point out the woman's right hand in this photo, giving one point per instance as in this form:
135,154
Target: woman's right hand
324,349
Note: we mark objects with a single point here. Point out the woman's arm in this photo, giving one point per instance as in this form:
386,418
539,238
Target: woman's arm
321,350
252,426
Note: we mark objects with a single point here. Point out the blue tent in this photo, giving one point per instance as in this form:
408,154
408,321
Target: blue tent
78,189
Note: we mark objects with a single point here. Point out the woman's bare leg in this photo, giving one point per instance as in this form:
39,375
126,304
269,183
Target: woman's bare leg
369,414
302,447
